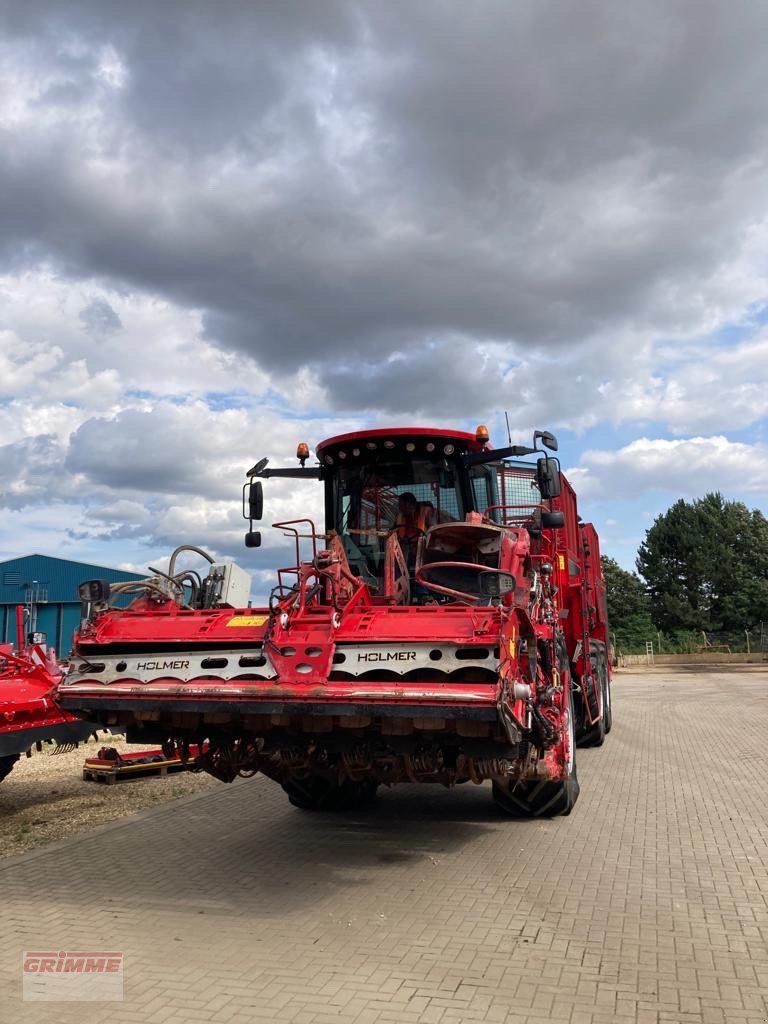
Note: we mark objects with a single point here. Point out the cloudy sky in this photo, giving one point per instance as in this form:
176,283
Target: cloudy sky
226,227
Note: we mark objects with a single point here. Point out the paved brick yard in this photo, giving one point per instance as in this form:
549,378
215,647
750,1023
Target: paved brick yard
647,904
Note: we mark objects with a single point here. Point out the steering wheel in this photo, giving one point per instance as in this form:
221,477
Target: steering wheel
469,597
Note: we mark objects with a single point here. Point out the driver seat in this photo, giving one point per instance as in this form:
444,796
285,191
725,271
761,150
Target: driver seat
454,555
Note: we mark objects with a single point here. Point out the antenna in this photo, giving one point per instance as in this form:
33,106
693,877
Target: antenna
509,432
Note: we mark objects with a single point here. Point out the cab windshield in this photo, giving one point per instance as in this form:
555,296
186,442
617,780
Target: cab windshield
407,485
366,496
370,500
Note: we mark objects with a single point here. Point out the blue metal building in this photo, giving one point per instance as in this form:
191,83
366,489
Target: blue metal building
47,587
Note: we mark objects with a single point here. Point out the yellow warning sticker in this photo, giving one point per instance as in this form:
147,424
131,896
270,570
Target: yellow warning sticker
561,560
247,620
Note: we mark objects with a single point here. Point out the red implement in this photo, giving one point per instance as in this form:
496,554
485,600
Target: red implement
29,714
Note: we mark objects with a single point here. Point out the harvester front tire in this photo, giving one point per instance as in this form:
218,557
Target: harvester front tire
6,765
319,794
542,799
536,799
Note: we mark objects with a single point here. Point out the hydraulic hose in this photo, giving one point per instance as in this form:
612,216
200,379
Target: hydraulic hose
186,547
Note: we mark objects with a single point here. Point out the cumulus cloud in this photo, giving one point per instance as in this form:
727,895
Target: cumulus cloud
153,346
23,367
368,177
225,228
684,467
173,449
150,478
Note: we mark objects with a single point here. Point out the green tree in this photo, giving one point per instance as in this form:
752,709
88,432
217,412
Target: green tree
705,564
629,608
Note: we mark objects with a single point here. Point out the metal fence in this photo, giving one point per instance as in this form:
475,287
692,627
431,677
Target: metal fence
747,641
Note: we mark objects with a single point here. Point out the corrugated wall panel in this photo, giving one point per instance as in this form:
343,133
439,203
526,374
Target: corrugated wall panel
58,575
60,615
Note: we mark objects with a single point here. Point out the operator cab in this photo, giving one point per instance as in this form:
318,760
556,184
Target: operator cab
411,482
392,481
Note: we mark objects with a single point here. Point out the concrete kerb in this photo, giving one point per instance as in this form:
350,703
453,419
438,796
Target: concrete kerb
684,667
697,658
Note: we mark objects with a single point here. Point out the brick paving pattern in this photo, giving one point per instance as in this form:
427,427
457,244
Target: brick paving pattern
647,905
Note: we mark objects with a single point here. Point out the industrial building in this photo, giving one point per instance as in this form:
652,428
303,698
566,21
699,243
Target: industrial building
47,589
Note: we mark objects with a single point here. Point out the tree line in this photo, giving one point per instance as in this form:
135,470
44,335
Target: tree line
702,569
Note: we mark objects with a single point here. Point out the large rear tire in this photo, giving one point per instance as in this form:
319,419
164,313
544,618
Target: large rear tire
543,799
6,765
319,794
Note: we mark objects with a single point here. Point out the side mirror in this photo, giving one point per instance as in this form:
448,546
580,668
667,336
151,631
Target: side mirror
548,477
552,520
94,591
94,598
496,584
253,500
253,539
547,439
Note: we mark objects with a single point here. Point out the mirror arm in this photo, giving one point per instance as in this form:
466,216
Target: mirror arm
496,454
293,473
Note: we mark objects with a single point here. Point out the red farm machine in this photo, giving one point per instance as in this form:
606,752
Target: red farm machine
448,625
29,715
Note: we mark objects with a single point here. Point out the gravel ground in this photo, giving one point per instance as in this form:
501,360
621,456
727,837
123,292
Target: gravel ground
44,798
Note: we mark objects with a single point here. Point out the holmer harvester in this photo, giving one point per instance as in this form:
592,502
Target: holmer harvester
448,625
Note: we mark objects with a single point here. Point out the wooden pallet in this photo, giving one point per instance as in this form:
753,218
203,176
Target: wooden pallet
130,766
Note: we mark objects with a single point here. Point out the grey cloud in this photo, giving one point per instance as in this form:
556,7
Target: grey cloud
28,470
563,89
200,78
157,452
334,183
100,319
160,530
435,378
